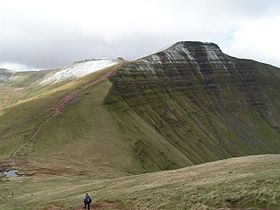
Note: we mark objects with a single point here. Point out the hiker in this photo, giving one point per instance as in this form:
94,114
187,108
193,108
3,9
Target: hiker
87,201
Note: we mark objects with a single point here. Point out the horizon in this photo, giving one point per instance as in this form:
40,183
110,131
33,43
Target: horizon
110,58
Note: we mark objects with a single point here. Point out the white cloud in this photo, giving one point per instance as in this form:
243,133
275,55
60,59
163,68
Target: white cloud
51,33
258,39
16,67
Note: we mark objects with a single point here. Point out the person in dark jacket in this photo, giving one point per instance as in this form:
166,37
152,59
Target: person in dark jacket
87,201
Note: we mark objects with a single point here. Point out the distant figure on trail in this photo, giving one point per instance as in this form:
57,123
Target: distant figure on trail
87,201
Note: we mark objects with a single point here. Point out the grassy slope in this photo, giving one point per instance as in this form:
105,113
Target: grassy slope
21,85
238,182
88,138
18,119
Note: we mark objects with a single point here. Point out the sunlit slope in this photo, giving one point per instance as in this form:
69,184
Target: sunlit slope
203,102
238,183
86,138
17,86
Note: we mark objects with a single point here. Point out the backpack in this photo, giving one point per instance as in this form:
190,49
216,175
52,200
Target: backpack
87,199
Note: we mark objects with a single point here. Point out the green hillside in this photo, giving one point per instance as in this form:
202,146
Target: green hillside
86,138
17,86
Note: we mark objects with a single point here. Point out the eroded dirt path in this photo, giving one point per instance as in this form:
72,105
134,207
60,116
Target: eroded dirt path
58,109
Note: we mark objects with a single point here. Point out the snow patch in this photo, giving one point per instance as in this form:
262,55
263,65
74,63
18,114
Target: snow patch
211,53
181,47
225,68
156,58
78,69
189,55
174,55
212,56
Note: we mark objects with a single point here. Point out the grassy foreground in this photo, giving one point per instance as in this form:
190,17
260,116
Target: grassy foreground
239,183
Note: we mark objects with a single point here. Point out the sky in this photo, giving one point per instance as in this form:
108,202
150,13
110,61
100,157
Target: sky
54,33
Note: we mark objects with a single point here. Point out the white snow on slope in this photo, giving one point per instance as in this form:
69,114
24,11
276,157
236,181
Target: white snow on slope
181,47
79,69
215,56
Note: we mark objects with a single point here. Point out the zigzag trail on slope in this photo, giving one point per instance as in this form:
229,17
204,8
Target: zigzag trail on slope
59,108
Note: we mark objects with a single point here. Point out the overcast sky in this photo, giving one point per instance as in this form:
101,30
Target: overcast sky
45,34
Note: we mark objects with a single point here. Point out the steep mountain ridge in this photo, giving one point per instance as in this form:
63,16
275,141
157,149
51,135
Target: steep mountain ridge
203,102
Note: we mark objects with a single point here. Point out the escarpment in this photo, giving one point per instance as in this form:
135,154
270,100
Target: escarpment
206,104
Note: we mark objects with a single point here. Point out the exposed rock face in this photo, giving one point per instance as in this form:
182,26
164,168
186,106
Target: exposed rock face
203,102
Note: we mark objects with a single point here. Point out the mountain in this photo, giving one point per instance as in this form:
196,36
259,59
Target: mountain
185,105
188,104
201,101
